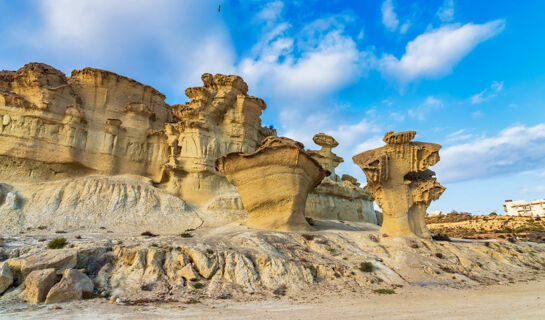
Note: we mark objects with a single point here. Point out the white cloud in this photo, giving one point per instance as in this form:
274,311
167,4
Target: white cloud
421,111
513,150
272,11
389,17
437,51
446,11
404,27
319,60
532,189
487,93
116,35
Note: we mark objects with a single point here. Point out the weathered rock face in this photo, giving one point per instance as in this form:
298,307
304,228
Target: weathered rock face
400,181
336,198
95,119
73,132
220,118
273,182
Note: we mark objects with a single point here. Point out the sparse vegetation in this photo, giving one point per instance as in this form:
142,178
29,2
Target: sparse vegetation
366,267
186,235
155,245
60,231
385,291
439,255
331,249
209,251
440,237
148,234
57,243
308,237
197,285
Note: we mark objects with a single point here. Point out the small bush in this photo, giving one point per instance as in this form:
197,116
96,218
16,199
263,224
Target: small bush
148,234
385,291
308,237
155,245
42,227
492,214
441,237
60,231
439,255
331,249
186,235
366,267
197,285
57,243
209,251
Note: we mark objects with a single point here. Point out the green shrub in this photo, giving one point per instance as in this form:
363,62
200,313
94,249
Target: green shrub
366,267
308,237
57,243
441,237
197,285
385,291
186,235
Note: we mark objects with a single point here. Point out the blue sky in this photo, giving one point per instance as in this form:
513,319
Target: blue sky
469,75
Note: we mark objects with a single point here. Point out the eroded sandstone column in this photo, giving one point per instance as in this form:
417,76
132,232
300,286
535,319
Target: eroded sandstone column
273,182
401,183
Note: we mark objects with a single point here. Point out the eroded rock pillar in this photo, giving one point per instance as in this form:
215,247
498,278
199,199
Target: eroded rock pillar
401,183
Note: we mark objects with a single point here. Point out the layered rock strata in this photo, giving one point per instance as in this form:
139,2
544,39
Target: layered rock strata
63,139
400,181
337,198
273,182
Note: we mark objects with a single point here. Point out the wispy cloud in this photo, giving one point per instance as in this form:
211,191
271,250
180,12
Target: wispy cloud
459,135
435,52
421,111
390,20
512,150
446,11
532,189
389,17
487,93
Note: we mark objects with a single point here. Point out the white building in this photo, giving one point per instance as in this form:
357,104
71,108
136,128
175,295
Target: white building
525,209
435,213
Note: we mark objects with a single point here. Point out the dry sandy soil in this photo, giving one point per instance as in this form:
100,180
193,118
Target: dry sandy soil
524,300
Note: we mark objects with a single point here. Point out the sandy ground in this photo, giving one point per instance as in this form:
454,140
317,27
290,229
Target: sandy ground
525,300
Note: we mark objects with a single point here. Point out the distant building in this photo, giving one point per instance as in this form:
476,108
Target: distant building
435,213
525,209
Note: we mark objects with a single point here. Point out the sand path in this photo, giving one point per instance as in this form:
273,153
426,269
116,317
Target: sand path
508,301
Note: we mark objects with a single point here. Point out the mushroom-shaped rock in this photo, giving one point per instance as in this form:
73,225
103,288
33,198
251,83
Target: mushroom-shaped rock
401,183
327,159
273,182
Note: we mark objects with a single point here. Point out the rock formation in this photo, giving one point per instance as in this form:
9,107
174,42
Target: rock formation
77,132
337,198
400,181
98,149
273,182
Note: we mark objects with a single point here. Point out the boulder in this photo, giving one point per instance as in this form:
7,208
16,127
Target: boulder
273,182
56,259
6,276
38,283
74,285
188,273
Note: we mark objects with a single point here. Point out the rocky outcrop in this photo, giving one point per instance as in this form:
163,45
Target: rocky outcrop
37,285
74,285
273,182
336,198
401,183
